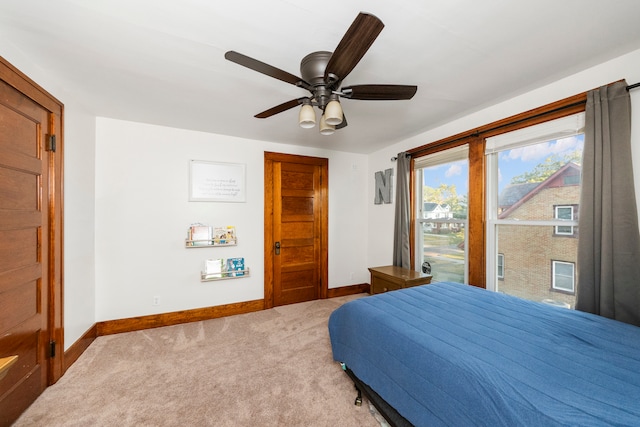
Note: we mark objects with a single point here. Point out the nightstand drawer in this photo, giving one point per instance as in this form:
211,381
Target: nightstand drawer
380,285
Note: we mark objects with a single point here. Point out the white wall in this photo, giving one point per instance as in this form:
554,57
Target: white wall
142,215
625,67
79,223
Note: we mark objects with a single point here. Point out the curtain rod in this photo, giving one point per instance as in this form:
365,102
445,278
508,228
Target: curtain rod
476,133
629,87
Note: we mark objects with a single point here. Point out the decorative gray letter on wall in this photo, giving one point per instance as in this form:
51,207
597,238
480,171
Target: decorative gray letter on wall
384,183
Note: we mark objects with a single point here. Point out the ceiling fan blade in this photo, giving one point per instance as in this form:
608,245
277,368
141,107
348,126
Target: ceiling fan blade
280,108
263,68
354,44
379,92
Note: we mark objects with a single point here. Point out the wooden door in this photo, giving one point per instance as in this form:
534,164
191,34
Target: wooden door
28,268
295,229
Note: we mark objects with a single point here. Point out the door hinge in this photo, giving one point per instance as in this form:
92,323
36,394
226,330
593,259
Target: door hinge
51,143
52,349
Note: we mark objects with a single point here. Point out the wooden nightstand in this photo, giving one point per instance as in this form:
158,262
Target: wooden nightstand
390,278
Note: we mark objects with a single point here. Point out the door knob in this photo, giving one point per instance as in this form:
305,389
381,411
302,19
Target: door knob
277,246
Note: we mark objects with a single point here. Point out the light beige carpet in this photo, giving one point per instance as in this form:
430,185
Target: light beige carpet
272,367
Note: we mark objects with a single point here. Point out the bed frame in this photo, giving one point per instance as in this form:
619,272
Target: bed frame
391,415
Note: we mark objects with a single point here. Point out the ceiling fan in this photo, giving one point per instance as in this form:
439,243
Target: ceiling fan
322,75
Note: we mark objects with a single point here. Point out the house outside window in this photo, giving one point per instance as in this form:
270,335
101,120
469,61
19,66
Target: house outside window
563,276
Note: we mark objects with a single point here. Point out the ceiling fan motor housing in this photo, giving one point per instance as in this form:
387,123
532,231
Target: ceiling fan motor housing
312,69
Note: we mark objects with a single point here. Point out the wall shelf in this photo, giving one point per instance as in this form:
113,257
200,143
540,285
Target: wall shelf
209,243
224,275
205,236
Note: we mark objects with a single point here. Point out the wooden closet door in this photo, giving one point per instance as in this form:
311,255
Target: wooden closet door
24,250
295,229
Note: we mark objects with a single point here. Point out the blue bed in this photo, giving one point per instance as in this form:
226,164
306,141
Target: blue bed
456,355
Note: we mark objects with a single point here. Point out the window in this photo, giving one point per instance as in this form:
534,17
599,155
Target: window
563,276
484,143
532,199
571,180
564,213
441,230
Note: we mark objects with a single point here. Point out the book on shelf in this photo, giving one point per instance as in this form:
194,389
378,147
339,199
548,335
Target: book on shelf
224,235
220,268
214,268
235,267
200,235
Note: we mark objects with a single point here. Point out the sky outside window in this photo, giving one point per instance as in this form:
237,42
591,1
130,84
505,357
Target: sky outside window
511,163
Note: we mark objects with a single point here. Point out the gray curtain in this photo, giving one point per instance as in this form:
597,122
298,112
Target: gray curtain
609,241
401,252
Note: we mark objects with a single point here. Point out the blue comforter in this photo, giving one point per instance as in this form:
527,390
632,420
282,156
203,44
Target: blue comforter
456,355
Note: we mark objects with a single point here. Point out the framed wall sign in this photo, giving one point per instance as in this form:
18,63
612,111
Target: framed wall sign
216,182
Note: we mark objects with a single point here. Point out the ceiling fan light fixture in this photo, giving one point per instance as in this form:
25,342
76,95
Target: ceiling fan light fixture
333,111
307,116
325,128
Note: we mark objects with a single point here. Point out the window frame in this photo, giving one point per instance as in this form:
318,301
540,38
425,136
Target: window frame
556,231
500,266
476,139
554,274
525,137
441,219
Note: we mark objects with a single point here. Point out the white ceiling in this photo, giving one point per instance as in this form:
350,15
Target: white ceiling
162,62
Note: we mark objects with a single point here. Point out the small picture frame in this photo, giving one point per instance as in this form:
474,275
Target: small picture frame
216,182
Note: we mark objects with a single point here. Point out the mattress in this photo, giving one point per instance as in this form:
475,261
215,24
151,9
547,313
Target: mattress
448,354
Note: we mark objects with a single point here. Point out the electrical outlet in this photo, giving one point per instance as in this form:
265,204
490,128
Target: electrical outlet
156,300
